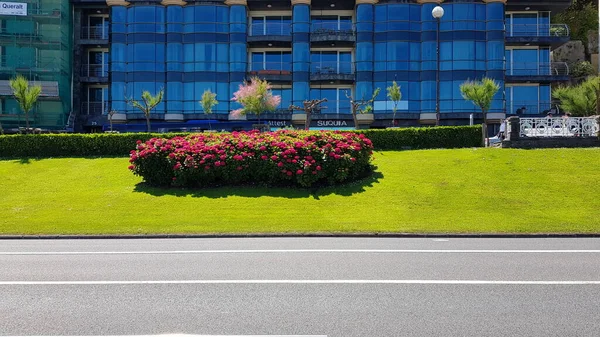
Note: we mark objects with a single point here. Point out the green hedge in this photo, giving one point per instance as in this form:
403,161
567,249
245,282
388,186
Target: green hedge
90,145
447,137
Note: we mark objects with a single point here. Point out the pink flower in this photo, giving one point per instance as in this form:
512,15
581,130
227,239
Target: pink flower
280,164
318,168
299,172
264,157
263,148
289,173
131,167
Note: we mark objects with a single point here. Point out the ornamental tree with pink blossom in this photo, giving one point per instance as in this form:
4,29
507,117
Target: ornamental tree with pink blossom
256,97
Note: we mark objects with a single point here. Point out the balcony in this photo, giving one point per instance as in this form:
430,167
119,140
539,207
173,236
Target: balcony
537,72
554,35
95,73
271,71
531,108
270,35
332,34
94,108
41,65
96,35
34,39
336,72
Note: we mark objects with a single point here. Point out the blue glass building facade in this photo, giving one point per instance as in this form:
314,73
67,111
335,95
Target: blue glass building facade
334,49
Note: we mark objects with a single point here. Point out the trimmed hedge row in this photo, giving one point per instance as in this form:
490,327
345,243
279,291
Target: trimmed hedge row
91,145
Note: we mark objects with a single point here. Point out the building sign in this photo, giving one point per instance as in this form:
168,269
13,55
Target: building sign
333,123
278,124
13,8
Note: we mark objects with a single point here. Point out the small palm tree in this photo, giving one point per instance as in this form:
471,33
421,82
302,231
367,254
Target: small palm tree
26,95
480,93
395,95
147,104
209,100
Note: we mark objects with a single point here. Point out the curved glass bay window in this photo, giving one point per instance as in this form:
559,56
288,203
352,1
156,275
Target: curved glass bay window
182,50
398,55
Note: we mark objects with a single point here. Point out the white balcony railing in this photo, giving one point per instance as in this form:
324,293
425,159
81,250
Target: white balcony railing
559,127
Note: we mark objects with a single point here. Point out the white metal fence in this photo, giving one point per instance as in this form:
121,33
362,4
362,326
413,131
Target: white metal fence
559,127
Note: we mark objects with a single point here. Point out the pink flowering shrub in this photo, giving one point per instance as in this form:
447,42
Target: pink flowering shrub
300,158
255,97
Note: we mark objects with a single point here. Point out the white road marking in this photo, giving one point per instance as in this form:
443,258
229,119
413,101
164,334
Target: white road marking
188,336
158,282
291,251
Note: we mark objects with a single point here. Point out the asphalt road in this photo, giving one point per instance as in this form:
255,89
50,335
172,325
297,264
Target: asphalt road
312,286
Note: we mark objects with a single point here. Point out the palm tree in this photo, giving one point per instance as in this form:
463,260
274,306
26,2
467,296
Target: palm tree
26,96
148,104
480,93
395,95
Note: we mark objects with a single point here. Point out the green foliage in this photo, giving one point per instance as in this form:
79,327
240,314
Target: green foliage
116,145
582,69
424,138
209,100
366,107
71,145
147,104
394,94
581,17
480,93
26,95
580,100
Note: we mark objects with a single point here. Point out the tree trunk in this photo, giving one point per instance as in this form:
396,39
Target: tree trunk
148,122
308,121
484,128
394,118
27,122
1,129
354,117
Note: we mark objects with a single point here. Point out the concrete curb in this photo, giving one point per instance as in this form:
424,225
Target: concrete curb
299,235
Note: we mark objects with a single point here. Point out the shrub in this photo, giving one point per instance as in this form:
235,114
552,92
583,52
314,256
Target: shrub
447,137
284,157
91,145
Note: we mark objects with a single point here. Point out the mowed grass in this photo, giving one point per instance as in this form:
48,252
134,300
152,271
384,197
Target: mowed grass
431,191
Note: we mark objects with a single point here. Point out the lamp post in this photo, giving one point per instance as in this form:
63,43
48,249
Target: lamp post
437,13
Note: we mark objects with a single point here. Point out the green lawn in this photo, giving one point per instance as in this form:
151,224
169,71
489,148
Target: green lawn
454,191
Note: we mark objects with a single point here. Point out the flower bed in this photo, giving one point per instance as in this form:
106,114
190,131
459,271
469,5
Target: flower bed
297,158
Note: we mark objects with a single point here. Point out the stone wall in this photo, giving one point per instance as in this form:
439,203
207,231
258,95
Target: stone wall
571,52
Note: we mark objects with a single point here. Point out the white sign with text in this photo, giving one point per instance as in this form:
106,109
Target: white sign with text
13,8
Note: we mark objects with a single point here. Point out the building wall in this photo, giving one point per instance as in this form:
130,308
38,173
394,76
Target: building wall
38,47
186,50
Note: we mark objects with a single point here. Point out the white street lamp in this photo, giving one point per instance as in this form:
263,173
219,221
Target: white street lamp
437,12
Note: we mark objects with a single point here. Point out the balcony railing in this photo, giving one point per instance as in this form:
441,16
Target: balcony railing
535,30
277,29
332,68
94,70
40,64
271,68
537,69
332,27
94,33
559,127
94,108
524,108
